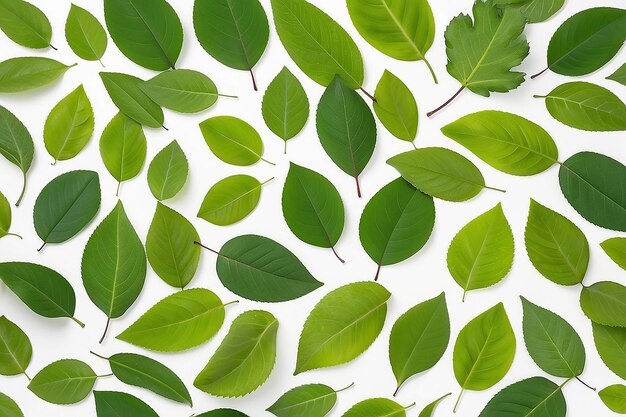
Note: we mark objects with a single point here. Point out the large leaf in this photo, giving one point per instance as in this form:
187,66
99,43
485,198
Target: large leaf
69,125
616,249
67,381
312,208
245,358
481,253
419,338
614,397
611,345
230,200
440,172
552,342
115,404
66,205
26,73
605,303
178,322
85,34
505,141
395,106
377,407
619,75
130,99
342,325
168,172
532,397
233,140
595,185
346,128
396,223
316,43
15,349
16,144
234,32
402,29
148,32
25,24
170,248
555,246
311,400
8,407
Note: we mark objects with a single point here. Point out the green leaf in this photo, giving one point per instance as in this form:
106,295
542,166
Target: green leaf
69,125
586,41
614,397
148,32
346,128
144,372
536,11
170,248
130,99
616,249
481,253
595,185
27,73
611,345
181,90
260,269
223,412
244,359
178,322
555,246
484,350
42,289
234,32
605,303
395,105
8,407
84,34
342,325
505,141
440,172
230,200
402,29
619,75
316,43
532,397
67,381
311,400
396,223
66,205
285,106
419,338
312,208
586,106
377,407
429,410
233,140
123,147
5,217
25,24
115,404
16,144
15,349
552,342
168,172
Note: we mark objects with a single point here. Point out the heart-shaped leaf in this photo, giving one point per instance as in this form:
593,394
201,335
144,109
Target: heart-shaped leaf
15,349
312,400
114,404
8,407
131,100
16,144
168,172
25,24
616,249
85,35
605,303
67,381
614,397
230,200
233,140
27,73
532,397
611,345
395,105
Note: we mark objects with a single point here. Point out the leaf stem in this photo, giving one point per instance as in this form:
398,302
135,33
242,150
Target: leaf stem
166,129
14,234
100,61
106,329
265,160
585,384
338,257
98,356
532,77
464,294
19,199
80,323
52,46
103,376
206,247
413,143
456,404
495,189
263,183
409,406
117,191
226,95
253,80
432,72
377,272
345,388
358,186
230,303
26,375
395,393
41,247
430,113
368,95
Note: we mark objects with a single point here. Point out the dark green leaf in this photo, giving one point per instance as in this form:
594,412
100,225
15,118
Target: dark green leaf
532,397
15,348
25,24
605,303
223,412
130,99
168,172
116,404
26,73
85,34
67,381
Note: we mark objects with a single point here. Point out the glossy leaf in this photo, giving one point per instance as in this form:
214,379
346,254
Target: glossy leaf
377,407
619,75
114,404
15,349
232,140
27,73
605,303
181,90
611,345
67,381
616,249
8,407
395,105
429,410
230,200
127,96
168,172
123,147
25,24
16,144
245,358
312,400
532,397
85,34
342,325
614,397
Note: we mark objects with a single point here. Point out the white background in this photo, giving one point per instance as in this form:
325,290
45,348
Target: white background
422,277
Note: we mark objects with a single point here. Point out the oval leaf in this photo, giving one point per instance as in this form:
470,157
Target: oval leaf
67,381
15,349
26,73
532,397
114,404
605,303
377,407
8,407
223,412
25,24
395,105
616,249
614,397
168,172
611,345
181,90
131,100
85,34
232,140
16,144
230,200
5,217
312,400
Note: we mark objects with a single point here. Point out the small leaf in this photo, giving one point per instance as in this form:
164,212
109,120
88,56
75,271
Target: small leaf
233,140
230,200
429,410
616,249
619,75
611,345
25,24
178,322
346,128
8,407
419,338
395,105
605,303
66,205
311,400
115,404
481,253
223,412
16,144
85,35
614,397
69,126
27,73
5,217
168,172
15,349
342,325
130,99
170,248
245,358
148,32
555,246
377,407
67,381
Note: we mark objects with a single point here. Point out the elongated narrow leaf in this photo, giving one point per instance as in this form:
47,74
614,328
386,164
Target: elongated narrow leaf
232,140
131,100
25,24
377,407
8,407
342,325
178,322
619,75
15,348
532,397
230,200
245,358
605,303
181,90
123,147
27,73
429,410
66,205
616,249
614,397
316,43
16,144
148,32
312,400
168,172
67,381
85,34
114,404
395,105
611,345
170,247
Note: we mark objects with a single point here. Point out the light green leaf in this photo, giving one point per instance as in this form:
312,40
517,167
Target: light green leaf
27,73
429,410
233,140
311,400
614,397
8,407
342,325
377,407
85,34
605,303
25,24
395,106
619,75
611,345
230,200
130,99
67,381
168,172
16,144
616,249
5,217
115,404
245,358
15,349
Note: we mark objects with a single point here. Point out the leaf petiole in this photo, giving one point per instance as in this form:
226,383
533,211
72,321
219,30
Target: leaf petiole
430,113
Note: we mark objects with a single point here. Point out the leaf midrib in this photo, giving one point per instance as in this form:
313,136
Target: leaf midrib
154,379
402,30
